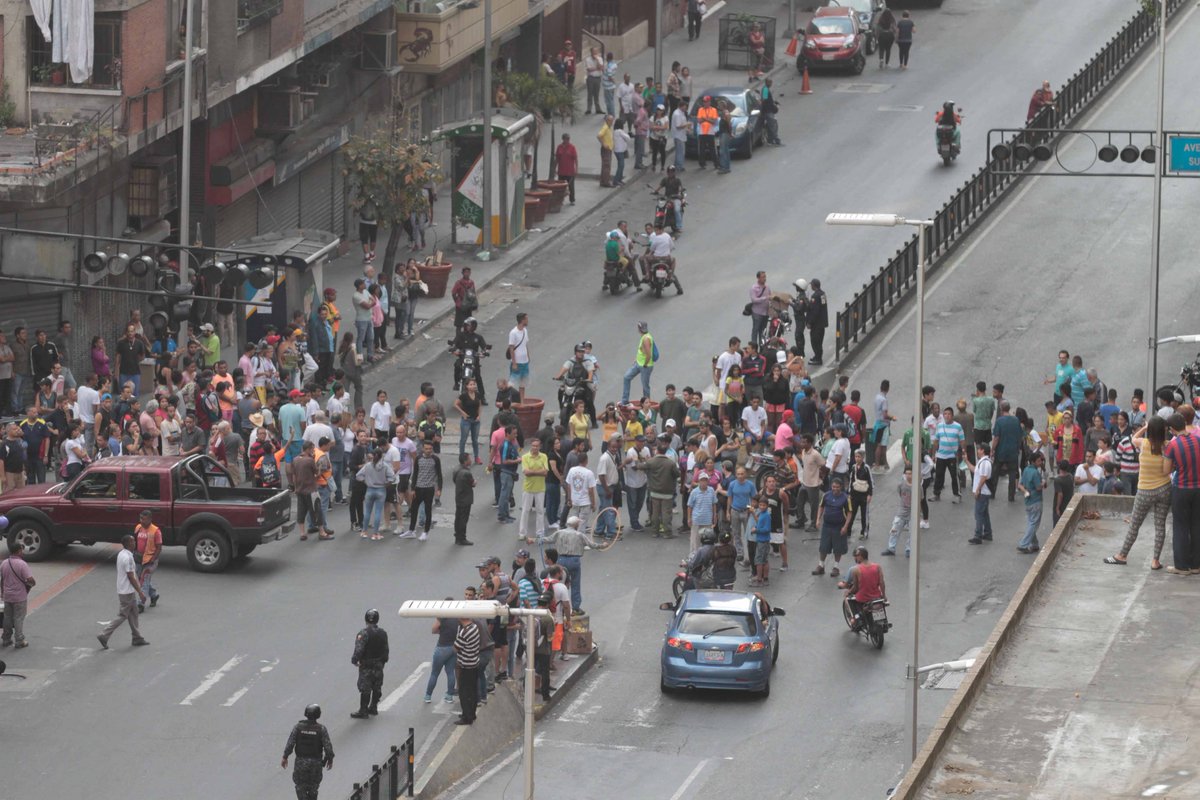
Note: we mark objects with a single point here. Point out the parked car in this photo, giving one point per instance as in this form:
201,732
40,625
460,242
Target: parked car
720,639
745,105
833,40
193,500
866,10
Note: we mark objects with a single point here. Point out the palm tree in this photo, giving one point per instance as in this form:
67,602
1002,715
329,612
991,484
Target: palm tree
546,98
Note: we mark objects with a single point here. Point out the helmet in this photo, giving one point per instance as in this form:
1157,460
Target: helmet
372,616
800,284
708,537
670,168
312,712
860,551
470,322
579,348
586,344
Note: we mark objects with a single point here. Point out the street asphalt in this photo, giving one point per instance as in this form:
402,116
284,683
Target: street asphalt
204,711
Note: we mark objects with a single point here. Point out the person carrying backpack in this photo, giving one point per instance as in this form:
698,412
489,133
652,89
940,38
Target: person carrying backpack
643,363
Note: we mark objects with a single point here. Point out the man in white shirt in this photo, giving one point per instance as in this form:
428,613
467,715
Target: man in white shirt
636,479
754,420
839,456
317,429
338,403
128,588
983,494
725,362
581,485
87,398
1088,474
313,406
518,347
679,131
608,476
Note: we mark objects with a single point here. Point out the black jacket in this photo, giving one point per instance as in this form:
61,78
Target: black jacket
818,311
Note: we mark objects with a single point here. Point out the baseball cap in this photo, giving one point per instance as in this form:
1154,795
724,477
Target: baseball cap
641,437
703,476
522,553
207,327
494,560
483,564
670,423
294,393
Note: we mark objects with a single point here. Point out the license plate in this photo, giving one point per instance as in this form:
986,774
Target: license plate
827,56
660,273
714,655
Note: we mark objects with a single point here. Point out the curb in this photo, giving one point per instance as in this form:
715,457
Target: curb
589,661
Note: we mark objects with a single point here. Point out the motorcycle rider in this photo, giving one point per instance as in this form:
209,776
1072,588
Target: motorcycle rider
468,339
659,249
864,583
628,259
673,188
949,118
576,373
700,560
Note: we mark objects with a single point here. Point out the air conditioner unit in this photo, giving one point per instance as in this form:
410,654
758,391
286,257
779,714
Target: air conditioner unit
284,109
378,50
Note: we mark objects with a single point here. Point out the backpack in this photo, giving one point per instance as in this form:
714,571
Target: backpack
212,406
654,351
470,300
548,590
268,472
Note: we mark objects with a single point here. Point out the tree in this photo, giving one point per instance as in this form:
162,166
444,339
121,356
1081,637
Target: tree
391,170
543,96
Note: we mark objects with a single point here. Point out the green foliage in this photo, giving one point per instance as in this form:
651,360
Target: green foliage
539,94
8,109
392,171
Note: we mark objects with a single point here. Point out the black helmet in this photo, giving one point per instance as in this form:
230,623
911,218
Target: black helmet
312,712
470,322
372,616
708,537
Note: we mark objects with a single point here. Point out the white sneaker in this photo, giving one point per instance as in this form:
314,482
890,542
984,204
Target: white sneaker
423,537
408,535
925,524
553,526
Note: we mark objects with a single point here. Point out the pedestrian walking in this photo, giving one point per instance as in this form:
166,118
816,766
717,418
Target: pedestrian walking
700,513
605,137
1033,483
370,656
1181,455
518,355
16,579
982,489
426,487
368,228
149,548
128,588
694,18
818,321
862,489
904,37
767,112
643,363
833,518
310,741
885,36
902,522
464,497
467,655
566,164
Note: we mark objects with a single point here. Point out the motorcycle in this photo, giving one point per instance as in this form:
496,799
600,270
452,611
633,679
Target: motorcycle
664,209
682,582
659,270
947,148
617,277
568,393
776,330
467,367
873,621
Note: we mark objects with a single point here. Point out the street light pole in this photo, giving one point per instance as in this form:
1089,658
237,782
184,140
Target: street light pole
914,564
1156,225
485,248
185,166
658,37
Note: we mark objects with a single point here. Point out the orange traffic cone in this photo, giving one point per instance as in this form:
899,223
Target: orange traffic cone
805,86
793,47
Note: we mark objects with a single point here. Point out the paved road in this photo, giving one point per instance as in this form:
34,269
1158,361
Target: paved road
236,657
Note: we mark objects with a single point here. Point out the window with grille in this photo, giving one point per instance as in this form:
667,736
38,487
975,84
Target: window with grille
256,12
106,56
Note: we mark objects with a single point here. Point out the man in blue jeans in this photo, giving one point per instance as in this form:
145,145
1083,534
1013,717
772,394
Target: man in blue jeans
643,363
510,457
130,352
983,495
443,658
1033,481
608,488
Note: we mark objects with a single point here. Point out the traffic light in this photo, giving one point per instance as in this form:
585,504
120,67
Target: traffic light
140,266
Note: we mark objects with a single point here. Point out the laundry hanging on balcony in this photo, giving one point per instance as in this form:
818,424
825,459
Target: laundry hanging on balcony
41,14
72,26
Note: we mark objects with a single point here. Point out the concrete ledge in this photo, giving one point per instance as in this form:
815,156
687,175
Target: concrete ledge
467,748
977,677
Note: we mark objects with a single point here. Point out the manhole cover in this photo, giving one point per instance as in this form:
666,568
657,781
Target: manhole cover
901,108
863,88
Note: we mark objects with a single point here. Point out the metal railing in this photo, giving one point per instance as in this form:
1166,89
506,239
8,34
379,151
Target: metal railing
392,779
877,299
602,17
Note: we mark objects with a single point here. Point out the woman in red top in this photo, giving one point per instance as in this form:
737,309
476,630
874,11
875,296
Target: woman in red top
1069,440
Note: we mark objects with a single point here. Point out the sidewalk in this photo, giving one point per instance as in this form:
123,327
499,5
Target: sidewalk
700,56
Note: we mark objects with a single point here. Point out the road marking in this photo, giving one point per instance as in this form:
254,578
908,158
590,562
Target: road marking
485,777
61,585
541,741
233,698
577,712
688,781
399,691
430,739
211,680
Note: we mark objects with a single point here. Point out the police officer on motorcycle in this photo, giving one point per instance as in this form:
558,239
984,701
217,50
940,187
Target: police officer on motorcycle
576,376
370,654
310,740
468,339
864,584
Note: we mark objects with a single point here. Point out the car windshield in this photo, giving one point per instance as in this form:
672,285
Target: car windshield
736,101
702,623
831,26
861,6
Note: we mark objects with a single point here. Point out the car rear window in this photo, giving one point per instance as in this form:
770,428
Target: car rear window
830,26
699,623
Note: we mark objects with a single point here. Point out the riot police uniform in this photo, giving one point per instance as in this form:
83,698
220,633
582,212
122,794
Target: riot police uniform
800,314
310,740
370,654
468,339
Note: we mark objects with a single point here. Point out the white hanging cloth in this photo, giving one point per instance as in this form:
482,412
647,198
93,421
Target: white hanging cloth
80,33
41,14
58,23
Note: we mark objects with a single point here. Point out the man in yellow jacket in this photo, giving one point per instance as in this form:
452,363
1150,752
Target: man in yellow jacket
706,125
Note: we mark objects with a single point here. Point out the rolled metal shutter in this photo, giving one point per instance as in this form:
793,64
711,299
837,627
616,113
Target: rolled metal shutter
338,226
282,207
33,311
316,195
238,221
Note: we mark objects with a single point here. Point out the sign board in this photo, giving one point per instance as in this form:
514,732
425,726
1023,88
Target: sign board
1184,151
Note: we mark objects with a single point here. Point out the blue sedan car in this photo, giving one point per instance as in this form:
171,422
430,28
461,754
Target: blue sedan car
720,639
744,105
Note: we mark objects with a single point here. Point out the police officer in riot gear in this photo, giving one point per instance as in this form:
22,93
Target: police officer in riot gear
370,654
800,312
468,339
818,321
310,740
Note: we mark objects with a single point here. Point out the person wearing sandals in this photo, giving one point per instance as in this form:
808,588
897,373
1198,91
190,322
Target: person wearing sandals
377,474
1153,491
833,518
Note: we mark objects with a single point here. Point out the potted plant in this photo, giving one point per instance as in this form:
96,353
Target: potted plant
58,74
42,72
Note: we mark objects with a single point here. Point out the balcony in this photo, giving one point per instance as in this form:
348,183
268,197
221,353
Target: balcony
256,12
431,36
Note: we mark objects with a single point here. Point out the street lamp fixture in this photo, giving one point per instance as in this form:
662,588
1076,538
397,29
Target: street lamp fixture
914,564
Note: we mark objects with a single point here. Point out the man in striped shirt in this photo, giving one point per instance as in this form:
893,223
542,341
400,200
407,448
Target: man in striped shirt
948,437
1182,455
466,649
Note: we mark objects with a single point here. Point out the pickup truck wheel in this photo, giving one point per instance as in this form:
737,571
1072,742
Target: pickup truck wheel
209,551
246,550
32,534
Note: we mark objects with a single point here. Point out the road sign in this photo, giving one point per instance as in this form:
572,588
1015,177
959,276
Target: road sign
1185,153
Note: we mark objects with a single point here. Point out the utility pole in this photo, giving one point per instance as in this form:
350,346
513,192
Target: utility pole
658,37
185,166
1156,224
485,249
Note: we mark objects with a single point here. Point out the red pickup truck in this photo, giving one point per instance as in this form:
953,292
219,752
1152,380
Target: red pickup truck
193,501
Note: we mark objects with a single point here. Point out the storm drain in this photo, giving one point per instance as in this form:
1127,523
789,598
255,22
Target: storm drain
862,88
